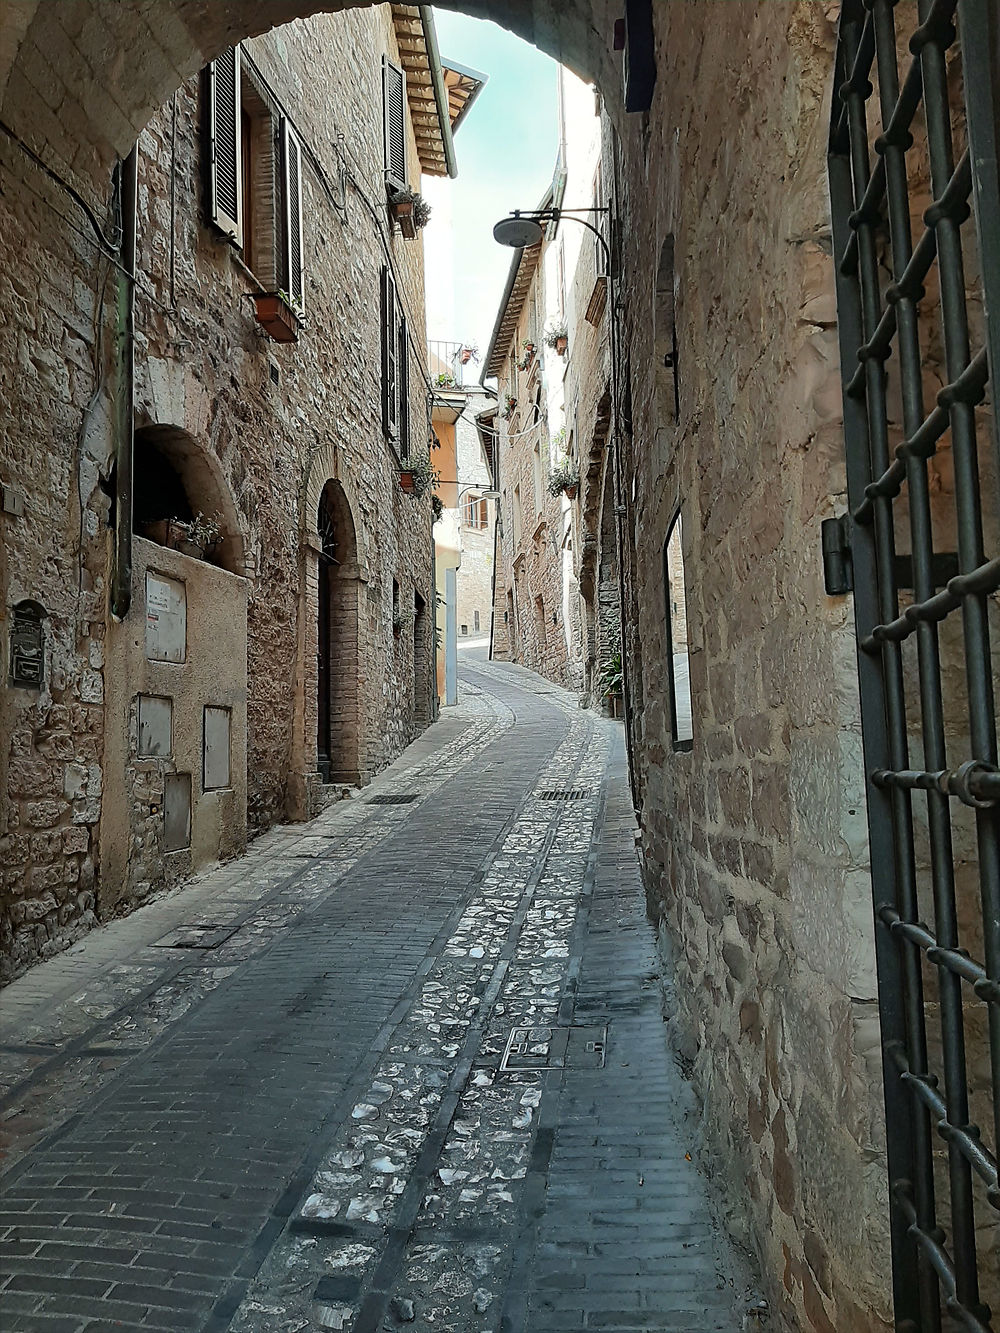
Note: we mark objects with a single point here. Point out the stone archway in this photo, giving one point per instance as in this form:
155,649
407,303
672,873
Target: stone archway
338,711
109,67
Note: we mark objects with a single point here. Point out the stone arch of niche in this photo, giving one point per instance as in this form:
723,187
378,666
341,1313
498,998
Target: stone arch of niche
175,476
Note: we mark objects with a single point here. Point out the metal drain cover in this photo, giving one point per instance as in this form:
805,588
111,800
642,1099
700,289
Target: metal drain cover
555,1048
574,794
391,799
198,936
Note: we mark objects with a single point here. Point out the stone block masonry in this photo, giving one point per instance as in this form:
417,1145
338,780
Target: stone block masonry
251,431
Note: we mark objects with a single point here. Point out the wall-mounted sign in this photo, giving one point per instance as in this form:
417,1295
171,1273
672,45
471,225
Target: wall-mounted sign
27,645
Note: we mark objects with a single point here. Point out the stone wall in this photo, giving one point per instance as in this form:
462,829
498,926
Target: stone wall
755,841
262,427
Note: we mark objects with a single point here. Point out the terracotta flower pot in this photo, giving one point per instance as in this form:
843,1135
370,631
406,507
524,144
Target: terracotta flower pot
466,356
571,492
276,317
561,345
406,482
403,213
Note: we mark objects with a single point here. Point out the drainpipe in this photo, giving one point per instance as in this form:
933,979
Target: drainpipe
124,415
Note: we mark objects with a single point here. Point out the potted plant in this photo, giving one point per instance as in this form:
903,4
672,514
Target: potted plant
417,475
509,407
611,685
437,507
527,354
565,478
197,537
469,352
278,314
410,209
557,336
444,380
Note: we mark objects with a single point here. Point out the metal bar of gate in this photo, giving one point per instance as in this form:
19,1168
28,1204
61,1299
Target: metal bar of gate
899,1145
935,1262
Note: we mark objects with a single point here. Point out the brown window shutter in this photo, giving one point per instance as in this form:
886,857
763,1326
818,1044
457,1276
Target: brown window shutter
390,379
225,187
403,362
394,118
292,161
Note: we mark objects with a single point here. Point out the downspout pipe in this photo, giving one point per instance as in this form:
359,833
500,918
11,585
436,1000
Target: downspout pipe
124,406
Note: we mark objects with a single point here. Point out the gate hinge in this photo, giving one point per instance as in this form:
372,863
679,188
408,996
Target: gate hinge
838,567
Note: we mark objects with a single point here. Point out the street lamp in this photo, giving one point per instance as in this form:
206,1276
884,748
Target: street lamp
522,230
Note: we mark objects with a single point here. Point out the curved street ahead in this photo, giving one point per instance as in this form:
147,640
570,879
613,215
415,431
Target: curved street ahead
404,1066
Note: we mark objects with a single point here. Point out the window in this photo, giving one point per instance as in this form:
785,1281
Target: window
540,622
518,519
665,336
395,368
678,662
475,515
394,124
536,472
254,175
475,620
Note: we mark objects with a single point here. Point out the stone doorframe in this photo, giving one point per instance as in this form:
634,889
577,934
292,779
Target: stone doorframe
305,786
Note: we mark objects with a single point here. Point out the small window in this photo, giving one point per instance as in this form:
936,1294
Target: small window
176,811
395,368
475,620
678,662
254,175
540,622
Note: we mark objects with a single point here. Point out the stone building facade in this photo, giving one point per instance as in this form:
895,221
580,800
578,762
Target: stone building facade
240,683
715,397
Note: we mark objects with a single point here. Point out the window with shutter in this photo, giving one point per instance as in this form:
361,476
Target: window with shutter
403,362
292,158
390,350
394,119
225,191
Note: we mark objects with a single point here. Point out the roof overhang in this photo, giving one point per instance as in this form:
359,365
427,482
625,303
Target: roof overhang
522,272
426,94
463,85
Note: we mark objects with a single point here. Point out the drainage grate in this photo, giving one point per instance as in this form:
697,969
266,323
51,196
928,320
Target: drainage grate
555,1048
573,795
198,936
391,800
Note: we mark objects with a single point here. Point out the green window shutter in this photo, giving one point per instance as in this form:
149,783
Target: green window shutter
394,122
225,186
291,153
390,352
403,374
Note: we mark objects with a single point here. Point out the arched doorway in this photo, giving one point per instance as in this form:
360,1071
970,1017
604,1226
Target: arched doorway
337,712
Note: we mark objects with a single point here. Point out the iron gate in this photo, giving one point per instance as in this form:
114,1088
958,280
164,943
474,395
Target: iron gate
913,160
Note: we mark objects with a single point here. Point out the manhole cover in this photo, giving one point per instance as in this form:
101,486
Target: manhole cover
196,937
555,1048
573,795
391,800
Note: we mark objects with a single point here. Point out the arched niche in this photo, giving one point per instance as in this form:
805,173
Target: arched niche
174,477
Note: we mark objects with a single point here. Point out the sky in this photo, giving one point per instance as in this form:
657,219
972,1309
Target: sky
506,151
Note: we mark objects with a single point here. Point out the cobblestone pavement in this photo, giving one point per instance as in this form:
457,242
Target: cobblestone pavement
403,1066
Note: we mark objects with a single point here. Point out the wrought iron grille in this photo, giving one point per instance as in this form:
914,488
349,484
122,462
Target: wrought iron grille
913,145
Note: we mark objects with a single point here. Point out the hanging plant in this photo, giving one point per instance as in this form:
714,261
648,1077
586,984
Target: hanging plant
527,354
417,475
437,507
566,477
469,352
411,210
557,336
509,407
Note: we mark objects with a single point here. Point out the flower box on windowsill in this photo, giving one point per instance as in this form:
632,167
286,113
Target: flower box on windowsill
402,211
407,481
276,317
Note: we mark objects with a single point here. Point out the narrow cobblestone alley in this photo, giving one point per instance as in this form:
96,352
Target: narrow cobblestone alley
403,1066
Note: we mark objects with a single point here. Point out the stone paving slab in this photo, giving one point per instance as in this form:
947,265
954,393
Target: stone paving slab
299,1121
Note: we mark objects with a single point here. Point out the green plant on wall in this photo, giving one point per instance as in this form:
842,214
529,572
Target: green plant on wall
612,679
